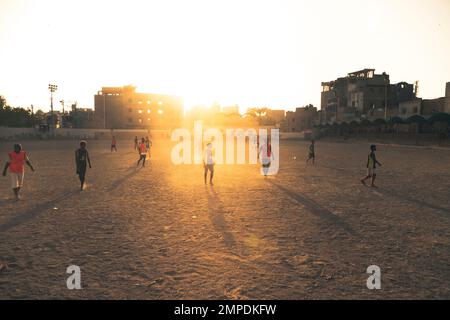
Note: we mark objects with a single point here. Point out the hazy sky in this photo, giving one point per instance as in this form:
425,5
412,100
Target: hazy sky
254,53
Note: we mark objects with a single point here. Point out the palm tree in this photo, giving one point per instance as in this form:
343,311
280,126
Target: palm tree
258,113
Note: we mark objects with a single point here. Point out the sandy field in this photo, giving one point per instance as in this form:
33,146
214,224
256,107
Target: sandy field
158,232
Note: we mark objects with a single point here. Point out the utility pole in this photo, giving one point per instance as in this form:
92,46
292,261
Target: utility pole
32,115
62,117
104,111
62,103
52,88
385,97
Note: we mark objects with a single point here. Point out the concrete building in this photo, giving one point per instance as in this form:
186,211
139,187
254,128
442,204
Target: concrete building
410,108
426,107
277,116
124,108
363,94
431,106
302,119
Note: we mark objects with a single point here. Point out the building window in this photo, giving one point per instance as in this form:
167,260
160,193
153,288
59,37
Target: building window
139,111
149,111
160,103
140,120
160,111
149,102
139,102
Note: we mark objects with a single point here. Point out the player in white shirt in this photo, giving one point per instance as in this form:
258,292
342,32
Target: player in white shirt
208,163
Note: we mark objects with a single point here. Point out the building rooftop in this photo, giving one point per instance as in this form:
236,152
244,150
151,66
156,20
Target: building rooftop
365,73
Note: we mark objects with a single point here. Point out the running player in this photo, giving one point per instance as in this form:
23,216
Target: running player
371,166
16,165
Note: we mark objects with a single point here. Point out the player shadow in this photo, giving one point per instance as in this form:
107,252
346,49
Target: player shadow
35,211
316,209
128,175
334,168
420,203
216,212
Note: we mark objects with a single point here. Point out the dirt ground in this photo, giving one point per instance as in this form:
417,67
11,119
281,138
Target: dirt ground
309,232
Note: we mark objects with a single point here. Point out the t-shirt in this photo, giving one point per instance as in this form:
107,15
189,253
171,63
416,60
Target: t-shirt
208,156
17,161
142,148
81,156
371,161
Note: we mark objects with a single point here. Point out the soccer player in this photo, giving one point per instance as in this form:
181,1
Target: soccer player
142,152
312,153
266,157
114,144
136,141
82,160
208,163
148,144
16,165
371,166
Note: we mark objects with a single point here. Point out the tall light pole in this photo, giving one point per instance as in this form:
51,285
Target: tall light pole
52,88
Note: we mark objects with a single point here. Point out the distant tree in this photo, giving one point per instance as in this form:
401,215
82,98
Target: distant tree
14,117
259,113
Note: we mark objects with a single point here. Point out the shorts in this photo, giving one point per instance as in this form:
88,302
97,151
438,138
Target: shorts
16,179
266,165
371,172
209,167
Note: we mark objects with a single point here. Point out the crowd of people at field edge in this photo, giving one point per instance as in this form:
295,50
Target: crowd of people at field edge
18,158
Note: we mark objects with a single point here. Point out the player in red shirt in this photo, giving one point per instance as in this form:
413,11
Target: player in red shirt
16,165
114,144
142,152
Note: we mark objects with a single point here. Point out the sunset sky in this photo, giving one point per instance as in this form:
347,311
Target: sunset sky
271,53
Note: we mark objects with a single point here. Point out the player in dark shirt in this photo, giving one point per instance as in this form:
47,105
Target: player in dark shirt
82,160
312,153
